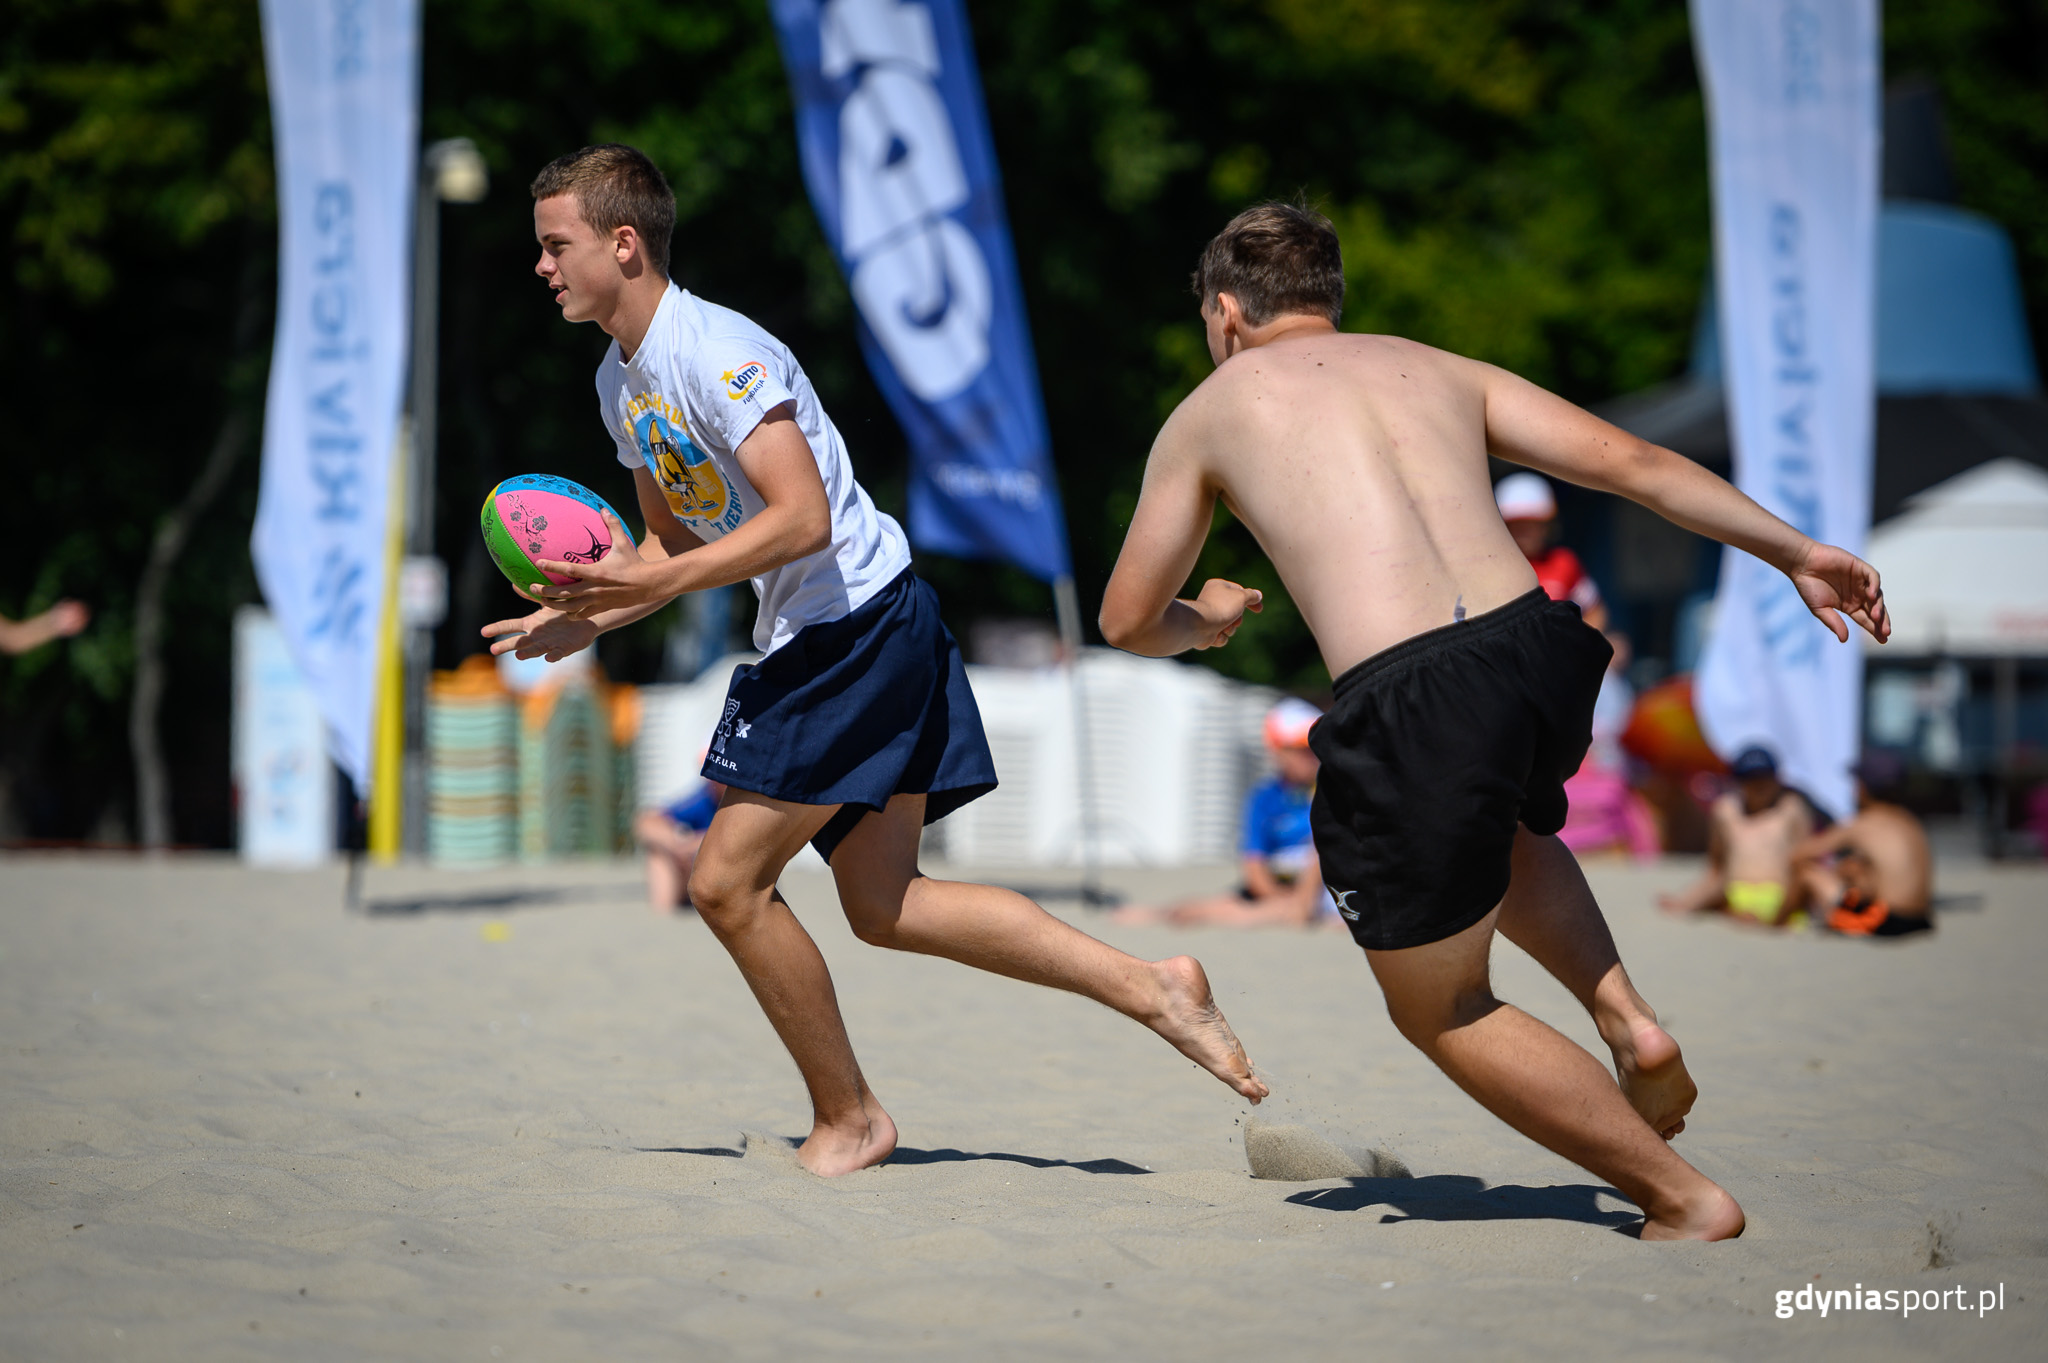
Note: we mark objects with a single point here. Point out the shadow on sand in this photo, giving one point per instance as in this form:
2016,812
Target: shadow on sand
480,901
1461,1197
906,1155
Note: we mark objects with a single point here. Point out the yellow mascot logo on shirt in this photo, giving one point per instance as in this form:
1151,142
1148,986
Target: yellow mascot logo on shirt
691,482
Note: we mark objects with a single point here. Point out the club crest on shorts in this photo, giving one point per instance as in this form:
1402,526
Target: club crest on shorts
744,380
730,726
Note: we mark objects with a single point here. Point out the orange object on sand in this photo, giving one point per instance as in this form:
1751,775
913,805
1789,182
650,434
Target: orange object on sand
1664,731
476,675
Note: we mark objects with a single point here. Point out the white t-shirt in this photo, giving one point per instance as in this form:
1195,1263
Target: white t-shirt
703,378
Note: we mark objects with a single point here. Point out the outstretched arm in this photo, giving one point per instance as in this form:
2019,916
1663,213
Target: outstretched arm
1140,613
60,621
1526,425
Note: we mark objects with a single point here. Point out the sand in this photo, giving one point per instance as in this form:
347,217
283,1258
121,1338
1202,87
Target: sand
527,1119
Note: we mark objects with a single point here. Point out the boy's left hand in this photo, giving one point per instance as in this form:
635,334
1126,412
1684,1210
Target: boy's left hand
622,578
1220,610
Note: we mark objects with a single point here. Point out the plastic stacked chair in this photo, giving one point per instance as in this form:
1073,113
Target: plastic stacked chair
566,769
472,781
625,730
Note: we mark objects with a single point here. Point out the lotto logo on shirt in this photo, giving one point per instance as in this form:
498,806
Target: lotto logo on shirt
743,381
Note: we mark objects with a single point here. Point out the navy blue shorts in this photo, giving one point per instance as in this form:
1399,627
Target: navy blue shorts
855,710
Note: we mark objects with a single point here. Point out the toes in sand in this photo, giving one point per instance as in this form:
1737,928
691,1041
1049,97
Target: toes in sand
1191,1021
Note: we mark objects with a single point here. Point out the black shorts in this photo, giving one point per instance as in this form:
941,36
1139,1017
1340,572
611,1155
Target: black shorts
1435,750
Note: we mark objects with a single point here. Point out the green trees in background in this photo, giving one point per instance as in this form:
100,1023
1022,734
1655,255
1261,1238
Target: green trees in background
1524,182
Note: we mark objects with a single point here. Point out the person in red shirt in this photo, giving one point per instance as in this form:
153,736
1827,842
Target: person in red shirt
1530,508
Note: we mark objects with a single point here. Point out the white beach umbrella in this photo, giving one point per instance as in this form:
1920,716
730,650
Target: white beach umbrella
1966,565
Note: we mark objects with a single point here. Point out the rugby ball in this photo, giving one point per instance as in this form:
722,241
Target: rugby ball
537,516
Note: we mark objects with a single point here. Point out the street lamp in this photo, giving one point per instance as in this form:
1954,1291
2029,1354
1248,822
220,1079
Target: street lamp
451,171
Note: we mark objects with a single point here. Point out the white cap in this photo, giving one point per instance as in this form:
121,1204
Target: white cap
1288,723
1524,497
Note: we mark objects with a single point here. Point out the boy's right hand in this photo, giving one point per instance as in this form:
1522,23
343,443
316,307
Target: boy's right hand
1834,582
545,633
1221,606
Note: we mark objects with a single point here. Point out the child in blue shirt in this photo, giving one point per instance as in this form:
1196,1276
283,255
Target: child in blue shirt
670,836
1283,884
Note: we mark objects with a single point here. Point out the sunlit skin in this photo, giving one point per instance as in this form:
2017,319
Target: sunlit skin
1359,463
60,621
1882,851
606,278
1753,835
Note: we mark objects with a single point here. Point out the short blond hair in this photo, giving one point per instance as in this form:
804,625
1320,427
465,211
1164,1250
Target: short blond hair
615,186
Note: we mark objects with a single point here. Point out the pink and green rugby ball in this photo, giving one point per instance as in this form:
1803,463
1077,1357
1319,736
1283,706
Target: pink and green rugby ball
537,516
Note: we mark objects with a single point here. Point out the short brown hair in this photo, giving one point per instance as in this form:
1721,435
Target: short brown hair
615,186
1275,258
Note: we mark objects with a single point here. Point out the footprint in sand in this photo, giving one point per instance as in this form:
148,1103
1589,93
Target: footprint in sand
773,1154
1295,1154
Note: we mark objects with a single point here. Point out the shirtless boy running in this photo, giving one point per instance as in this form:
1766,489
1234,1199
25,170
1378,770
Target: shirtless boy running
1464,696
857,728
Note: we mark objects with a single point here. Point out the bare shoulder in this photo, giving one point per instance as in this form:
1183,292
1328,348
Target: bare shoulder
1330,365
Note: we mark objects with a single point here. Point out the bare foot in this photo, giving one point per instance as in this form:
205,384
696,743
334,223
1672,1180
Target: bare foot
1653,1077
1189,1018
830,1151
1713,1215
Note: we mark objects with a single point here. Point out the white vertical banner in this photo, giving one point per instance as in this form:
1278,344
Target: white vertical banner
1793,105
344,101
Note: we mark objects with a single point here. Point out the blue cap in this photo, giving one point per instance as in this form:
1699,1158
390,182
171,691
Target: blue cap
1754,760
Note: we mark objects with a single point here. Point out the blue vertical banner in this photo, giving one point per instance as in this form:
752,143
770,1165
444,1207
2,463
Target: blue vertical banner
899,164
344,102
1793,104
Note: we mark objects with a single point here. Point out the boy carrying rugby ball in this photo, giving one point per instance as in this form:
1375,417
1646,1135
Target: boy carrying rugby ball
857,727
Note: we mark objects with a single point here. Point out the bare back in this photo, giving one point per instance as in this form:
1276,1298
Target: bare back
1359,463
1892,843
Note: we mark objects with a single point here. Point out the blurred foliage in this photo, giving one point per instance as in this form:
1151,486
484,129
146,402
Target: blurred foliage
1521,181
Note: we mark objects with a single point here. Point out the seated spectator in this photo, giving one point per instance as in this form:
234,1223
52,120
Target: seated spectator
1753,840
1874,873
1530,508
670,837
1283,884
60,621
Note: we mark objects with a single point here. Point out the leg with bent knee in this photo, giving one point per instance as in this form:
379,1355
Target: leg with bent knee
1550,913
890,903
733,886
1539,1082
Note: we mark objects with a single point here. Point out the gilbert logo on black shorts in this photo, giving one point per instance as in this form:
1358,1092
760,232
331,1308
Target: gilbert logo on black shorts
730,726
1343,898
